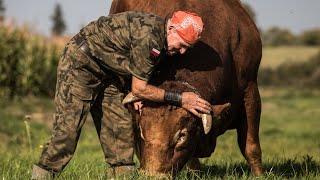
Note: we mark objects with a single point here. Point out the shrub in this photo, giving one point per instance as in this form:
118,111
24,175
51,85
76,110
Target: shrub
297,74
310,37
277,36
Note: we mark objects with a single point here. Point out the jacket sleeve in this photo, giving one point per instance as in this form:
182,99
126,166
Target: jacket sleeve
144,55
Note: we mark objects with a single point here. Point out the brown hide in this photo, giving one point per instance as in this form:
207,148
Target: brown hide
222,67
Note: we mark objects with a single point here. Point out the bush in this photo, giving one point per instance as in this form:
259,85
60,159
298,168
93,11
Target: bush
277,36
298,74
310,37
27,63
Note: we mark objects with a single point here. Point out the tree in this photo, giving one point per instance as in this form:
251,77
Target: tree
2,10
311,37
250,11
276,36
59,25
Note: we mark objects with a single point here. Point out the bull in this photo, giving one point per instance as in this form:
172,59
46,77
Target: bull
222,68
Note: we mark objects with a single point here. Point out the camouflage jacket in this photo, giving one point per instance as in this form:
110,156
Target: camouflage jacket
128,42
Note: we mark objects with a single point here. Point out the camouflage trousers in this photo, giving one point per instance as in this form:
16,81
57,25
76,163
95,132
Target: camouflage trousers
83,87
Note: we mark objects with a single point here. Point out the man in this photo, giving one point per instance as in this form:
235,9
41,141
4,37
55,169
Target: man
97,66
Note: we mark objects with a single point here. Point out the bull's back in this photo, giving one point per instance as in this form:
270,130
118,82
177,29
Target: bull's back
210,62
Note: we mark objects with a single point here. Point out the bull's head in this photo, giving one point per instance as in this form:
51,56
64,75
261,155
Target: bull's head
169,136
205,118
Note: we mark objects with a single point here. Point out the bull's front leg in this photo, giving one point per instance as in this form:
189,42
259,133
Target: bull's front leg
248,131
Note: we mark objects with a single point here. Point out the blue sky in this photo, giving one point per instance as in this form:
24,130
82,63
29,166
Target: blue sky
296,15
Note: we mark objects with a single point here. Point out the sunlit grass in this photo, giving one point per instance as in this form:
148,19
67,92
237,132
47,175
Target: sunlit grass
289,136
272,57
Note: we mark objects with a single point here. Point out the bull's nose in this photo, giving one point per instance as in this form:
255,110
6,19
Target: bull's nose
156,159
155,164
155,174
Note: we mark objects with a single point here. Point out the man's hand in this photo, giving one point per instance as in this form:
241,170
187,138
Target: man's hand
138,106
193,103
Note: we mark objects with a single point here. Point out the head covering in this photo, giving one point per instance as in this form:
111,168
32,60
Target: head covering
188,25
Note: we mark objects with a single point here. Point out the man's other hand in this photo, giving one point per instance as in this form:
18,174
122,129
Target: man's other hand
193,103
138,106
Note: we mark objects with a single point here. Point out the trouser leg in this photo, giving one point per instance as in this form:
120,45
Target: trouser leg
74,93
114,126
70,115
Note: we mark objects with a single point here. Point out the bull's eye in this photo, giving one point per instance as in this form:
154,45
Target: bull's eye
181,139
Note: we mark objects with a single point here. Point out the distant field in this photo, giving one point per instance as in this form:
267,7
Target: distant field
289,139
274,56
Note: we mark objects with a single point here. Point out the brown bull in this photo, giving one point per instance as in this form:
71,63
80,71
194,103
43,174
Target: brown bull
222,68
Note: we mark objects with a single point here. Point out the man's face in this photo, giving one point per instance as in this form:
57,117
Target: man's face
175,43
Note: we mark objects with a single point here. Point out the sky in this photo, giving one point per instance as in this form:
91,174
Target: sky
296,15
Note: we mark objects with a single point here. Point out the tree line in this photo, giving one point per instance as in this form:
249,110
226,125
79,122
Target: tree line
283,37
58,23
276,36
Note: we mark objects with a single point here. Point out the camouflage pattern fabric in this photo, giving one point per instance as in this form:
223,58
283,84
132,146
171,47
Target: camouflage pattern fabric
83,87
124,41
121,42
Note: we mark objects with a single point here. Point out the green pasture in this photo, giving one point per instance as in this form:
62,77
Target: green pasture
272,57
289,134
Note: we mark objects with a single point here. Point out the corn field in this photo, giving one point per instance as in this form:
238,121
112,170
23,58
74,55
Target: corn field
28,63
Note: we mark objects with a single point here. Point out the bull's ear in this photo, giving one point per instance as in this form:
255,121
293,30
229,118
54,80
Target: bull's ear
219,110
130,98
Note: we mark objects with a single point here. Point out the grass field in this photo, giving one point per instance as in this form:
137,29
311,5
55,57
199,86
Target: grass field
274,56
290,140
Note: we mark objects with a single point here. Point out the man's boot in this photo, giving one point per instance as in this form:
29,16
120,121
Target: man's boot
40,173
120,172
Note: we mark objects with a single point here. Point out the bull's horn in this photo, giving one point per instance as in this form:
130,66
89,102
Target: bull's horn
130,98
141,134
206,122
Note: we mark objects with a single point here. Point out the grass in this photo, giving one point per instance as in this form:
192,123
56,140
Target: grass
272,57
289,138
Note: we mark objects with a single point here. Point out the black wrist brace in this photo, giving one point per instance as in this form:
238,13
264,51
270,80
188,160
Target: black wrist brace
173,98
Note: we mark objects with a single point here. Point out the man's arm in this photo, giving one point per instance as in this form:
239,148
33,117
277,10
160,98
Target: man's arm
190,101
142,89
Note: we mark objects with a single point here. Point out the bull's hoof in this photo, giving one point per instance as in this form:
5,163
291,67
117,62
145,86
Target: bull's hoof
258,171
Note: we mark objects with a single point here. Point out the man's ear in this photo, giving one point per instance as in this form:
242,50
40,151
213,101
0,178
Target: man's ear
220,109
